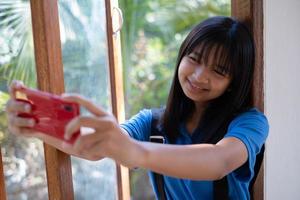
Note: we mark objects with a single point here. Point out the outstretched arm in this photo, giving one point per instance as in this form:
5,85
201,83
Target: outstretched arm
199,162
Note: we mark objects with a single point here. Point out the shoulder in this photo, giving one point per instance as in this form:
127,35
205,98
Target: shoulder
144,114
139,125
251,118
251,127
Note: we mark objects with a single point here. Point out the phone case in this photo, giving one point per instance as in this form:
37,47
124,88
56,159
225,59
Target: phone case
50,112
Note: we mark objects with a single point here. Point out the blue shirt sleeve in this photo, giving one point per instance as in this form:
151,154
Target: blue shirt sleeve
252,129
139,126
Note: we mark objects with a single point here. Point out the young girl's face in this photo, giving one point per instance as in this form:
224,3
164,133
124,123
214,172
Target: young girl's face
202,81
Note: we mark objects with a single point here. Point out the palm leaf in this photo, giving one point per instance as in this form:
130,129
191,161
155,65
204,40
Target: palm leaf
16,32
16,29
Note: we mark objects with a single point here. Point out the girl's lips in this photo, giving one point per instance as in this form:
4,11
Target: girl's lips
195,88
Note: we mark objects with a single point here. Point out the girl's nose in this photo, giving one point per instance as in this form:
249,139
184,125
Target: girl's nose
201,74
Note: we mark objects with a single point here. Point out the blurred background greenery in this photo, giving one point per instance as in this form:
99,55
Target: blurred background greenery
150,37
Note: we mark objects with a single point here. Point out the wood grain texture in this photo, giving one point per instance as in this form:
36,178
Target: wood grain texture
251,12
117,96
2,180
47,48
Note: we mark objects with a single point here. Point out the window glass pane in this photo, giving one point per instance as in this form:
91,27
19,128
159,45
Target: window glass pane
152,33
23,158
85,59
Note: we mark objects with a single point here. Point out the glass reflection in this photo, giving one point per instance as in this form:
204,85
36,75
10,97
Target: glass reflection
23,158
85,59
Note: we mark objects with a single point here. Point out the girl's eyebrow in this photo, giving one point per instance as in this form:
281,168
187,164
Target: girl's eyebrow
195,53
220,66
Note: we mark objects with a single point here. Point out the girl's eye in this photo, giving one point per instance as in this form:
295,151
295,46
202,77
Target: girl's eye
219,72
192,59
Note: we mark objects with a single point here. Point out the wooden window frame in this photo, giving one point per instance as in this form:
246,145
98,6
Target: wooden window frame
117,95
2,180
45,22
251,12
50,78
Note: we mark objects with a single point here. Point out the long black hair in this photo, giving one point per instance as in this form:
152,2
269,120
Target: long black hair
232,46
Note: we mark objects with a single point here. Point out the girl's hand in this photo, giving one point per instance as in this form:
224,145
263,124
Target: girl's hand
106,139
21,126
18,125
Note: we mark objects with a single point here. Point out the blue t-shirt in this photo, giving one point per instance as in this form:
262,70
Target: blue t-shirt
250,127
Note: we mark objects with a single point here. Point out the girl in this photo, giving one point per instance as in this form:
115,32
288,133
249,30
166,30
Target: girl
213,133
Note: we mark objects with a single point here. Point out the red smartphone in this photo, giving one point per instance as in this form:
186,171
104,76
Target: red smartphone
50,112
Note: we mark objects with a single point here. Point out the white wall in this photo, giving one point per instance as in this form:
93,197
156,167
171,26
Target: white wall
282,99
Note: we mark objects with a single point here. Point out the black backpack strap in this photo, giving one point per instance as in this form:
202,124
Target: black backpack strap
258,162
221,186
220,189
155,122
158,137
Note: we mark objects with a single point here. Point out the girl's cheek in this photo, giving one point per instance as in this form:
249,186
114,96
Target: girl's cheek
186,69
180,71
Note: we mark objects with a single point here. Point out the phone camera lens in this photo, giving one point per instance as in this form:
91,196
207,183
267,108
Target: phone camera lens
68,108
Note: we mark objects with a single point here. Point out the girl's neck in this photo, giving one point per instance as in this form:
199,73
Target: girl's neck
200,107
195,118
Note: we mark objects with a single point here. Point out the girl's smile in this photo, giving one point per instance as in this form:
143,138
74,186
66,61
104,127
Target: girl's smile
194,87
201,82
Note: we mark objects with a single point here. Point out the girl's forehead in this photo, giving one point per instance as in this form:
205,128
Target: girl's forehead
209,49
210,54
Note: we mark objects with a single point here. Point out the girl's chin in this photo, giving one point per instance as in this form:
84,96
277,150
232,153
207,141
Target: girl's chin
196,94
201,98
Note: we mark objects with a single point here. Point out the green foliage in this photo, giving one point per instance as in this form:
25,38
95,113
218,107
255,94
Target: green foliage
16,54
3,99
151,36
83,38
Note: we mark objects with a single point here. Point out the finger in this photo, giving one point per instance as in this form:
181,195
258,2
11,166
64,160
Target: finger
94,153
13,120
82,121
90,106
14,86
17,106
84,143
66,145
92,157
26,132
